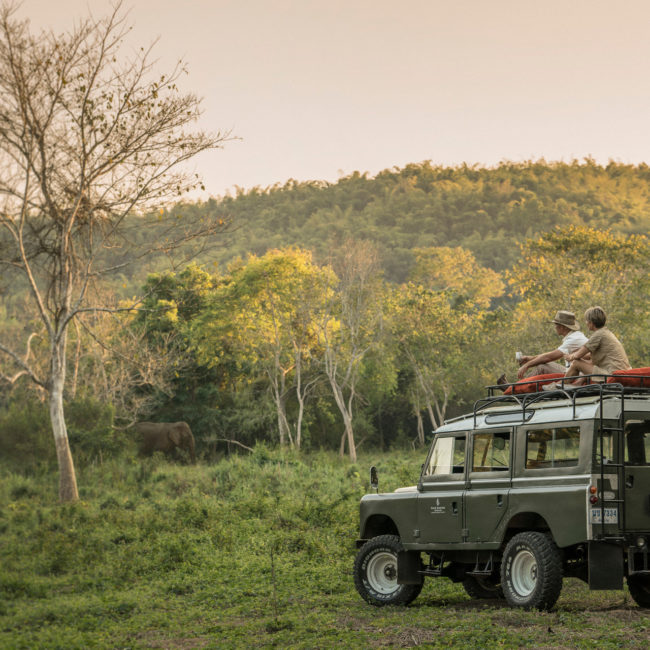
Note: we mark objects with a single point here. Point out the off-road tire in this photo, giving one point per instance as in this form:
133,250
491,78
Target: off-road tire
482,587
639,586
531,571
375,573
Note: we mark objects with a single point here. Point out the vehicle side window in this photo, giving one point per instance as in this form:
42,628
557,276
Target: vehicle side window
491,452
556,447
637,442
447,457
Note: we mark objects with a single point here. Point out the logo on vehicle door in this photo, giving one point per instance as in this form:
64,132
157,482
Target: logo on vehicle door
437,509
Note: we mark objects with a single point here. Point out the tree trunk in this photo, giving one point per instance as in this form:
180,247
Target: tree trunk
278,392
75,366
67,476
352,447
441,409
301,410
346,414
432,417
418,414
299,394
347,418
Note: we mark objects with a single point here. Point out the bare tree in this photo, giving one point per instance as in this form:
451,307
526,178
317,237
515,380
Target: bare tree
88,138
351,329
119,364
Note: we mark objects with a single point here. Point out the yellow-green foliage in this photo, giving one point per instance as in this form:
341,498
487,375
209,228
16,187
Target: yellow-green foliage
485,210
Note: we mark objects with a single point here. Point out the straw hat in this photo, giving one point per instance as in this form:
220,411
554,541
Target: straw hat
566,318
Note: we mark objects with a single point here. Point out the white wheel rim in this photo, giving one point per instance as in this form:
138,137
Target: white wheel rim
524,573
382,572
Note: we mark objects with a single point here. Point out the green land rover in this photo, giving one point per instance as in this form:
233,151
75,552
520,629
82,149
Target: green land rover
525,490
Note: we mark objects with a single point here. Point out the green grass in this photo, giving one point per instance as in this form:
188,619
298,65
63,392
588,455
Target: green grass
254,551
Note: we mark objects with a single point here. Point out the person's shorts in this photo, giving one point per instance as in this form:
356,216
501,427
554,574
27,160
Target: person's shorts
599,371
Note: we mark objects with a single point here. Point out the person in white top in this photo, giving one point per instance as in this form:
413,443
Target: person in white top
546,363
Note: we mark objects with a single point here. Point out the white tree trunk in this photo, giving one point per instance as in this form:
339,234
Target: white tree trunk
347,419
299,395
301,411
67,476
278,389
352,447
432,417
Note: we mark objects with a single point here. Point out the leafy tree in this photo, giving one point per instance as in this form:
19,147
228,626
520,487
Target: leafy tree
87,137
575,268
455,271
264,315
436,323
486,210
428,333
351,329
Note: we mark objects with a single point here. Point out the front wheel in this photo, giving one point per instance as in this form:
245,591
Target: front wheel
531,571
375,573
639,586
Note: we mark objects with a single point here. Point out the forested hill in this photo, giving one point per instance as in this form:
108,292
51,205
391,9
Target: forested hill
487,210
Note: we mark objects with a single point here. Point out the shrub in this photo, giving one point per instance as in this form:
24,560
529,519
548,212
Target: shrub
26,434
22,489
90,429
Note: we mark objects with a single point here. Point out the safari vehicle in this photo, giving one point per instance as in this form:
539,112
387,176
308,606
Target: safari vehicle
525,490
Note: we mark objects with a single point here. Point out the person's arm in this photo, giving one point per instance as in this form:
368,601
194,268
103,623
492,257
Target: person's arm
578,354
531,362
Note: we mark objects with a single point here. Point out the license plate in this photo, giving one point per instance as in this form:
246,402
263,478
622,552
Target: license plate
611,515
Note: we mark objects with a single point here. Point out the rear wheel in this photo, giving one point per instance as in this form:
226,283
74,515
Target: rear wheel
375,573
531,571
639,586
482,587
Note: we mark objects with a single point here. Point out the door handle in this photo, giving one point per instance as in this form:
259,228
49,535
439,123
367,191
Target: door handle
454,508
629,481
499,500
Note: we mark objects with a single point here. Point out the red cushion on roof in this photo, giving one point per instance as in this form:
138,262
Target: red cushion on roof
532,384
632,377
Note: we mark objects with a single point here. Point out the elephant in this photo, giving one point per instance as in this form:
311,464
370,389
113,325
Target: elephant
165,437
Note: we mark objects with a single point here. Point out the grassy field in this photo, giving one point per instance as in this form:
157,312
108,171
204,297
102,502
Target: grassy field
253,551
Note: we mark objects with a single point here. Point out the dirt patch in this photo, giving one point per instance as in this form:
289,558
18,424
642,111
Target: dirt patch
492,623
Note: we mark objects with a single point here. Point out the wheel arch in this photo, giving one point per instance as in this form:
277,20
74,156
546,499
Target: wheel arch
524,521
377,525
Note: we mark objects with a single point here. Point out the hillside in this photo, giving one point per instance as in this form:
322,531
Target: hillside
487,210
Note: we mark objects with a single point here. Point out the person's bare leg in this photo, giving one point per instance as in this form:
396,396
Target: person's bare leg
577,367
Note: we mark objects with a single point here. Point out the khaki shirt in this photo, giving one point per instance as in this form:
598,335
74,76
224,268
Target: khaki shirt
607,352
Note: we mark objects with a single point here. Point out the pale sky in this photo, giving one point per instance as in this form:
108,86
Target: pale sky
317,89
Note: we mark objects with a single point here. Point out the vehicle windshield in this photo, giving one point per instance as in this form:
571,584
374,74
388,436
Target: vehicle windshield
447,457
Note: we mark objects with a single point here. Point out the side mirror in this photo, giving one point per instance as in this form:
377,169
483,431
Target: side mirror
374,479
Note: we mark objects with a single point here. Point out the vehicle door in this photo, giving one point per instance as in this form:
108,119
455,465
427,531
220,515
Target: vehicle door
637,473
440,498
486,499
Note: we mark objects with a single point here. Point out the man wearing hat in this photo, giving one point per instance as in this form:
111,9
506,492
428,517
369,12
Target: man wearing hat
572,339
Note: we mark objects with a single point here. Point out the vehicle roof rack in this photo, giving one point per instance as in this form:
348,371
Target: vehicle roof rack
597,386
